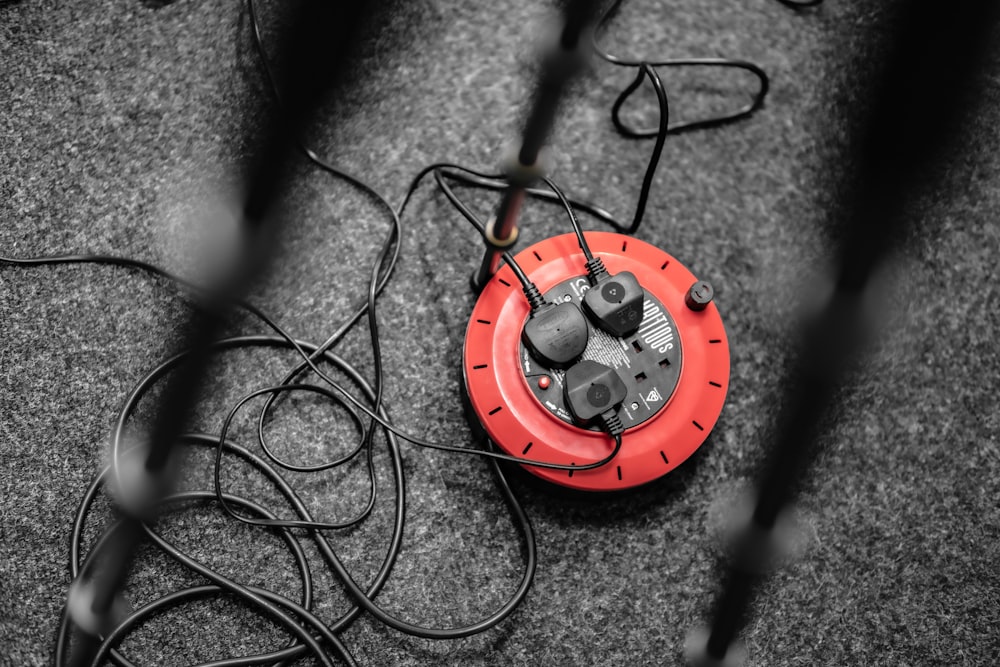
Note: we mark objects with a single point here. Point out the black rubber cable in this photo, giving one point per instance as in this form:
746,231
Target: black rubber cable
381,273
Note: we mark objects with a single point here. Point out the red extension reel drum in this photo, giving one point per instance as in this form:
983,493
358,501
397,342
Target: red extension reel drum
675,366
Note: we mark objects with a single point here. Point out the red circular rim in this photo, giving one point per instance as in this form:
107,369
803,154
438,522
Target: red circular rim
519,425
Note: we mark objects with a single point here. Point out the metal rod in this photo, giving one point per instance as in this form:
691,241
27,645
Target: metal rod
561,63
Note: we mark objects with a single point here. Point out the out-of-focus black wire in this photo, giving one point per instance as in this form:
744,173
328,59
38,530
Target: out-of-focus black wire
801,4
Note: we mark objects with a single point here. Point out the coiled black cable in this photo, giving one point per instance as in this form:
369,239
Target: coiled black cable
310,354
310,634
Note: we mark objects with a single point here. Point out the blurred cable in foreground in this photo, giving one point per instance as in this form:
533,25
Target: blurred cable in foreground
922,90
311,62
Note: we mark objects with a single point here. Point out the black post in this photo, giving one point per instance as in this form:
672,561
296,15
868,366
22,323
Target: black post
311,61
918,101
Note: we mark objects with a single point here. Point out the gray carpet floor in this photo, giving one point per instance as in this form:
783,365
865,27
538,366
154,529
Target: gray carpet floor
121,119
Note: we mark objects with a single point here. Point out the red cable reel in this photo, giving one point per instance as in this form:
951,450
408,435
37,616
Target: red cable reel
676,366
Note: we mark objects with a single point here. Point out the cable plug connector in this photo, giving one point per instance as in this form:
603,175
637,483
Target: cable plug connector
594,392
556,334
614,302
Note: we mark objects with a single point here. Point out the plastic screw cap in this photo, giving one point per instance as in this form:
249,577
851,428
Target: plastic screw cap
699,296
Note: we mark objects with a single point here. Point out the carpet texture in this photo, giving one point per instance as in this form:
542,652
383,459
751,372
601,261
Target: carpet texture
122,120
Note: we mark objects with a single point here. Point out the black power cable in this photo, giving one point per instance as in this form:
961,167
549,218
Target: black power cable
311,355
801,4
309,634
260,600
906,132
645,69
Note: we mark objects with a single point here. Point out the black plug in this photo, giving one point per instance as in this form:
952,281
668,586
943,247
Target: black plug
614,302
594,392
555,334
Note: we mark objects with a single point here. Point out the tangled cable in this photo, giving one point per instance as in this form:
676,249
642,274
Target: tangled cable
363,402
